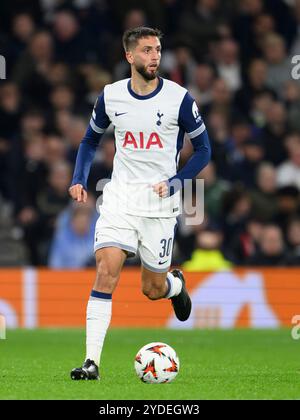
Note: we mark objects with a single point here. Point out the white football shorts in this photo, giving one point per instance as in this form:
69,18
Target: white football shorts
152,237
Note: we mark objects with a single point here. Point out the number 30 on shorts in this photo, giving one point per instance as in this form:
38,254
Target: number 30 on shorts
166,247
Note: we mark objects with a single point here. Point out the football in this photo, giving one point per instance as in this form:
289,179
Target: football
156,363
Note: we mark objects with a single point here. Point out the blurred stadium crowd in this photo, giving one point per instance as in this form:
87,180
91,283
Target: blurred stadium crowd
234,56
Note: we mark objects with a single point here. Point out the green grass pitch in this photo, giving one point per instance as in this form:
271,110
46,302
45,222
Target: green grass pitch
235,364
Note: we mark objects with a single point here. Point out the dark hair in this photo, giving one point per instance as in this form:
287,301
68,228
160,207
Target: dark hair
131,36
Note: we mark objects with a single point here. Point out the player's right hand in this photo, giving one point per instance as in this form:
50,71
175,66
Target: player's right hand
78,193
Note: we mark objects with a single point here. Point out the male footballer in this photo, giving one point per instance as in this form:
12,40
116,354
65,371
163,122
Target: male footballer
150,116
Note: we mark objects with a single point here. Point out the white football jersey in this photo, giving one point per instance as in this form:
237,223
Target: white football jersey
149,132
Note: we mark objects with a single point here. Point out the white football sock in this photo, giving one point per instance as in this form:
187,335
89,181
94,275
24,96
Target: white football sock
98,316
174,285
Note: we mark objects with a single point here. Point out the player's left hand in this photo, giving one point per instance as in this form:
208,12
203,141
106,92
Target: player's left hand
161,189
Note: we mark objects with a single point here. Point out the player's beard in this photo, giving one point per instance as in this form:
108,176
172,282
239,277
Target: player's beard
146,74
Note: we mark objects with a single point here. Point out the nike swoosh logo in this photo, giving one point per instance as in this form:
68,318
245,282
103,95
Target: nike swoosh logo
162,262
120,113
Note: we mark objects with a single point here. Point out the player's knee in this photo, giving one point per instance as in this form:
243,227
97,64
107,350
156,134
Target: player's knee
150,294
106,276
153,292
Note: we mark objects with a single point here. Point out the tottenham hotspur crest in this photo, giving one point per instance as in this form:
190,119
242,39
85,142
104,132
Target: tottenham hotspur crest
158,122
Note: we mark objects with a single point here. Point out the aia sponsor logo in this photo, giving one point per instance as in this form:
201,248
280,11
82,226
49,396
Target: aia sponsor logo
141,142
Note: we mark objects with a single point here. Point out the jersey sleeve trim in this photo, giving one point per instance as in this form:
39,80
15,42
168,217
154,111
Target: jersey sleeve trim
197,132
95,127
99,120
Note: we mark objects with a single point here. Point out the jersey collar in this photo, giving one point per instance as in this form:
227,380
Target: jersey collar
150,95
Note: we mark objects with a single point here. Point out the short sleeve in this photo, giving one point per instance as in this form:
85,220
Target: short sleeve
189,118
100,120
